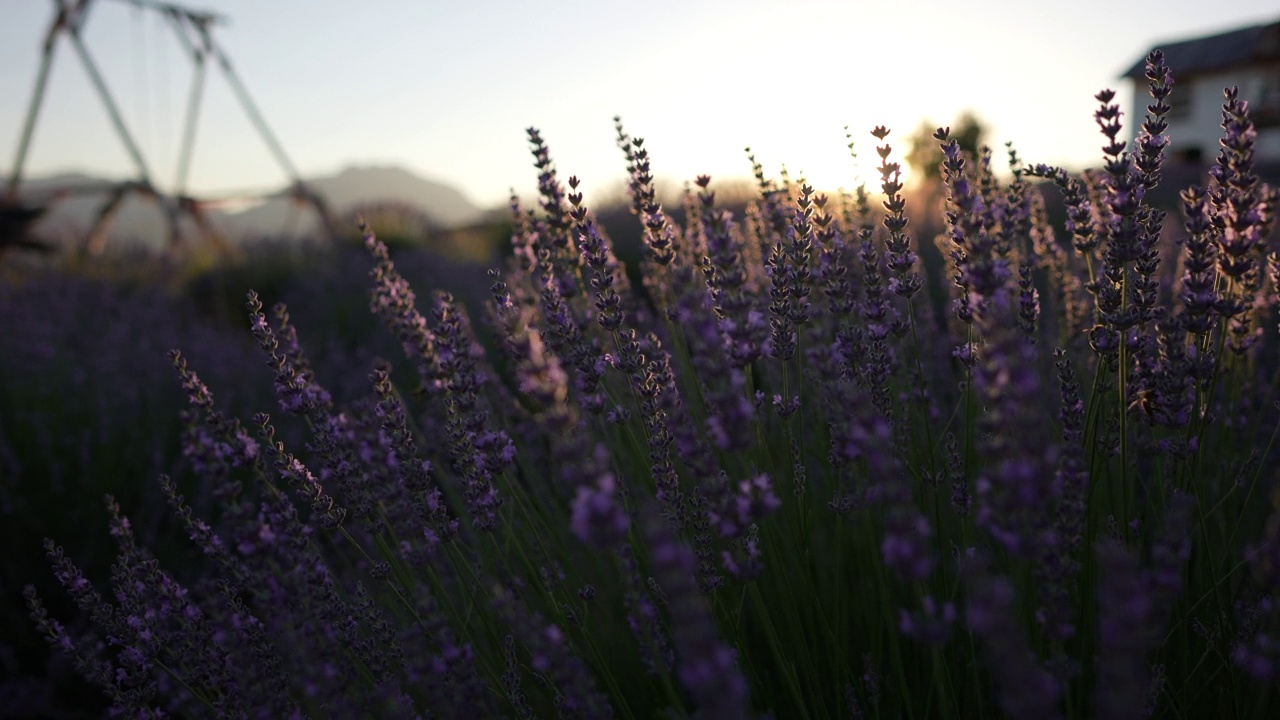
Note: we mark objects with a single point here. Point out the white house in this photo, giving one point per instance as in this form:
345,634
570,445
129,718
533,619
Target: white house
1248,58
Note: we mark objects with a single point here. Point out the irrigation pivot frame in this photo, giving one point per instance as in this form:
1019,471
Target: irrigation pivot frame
194,31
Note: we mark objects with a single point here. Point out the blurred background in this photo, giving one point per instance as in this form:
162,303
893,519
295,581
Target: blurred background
413,115
426,103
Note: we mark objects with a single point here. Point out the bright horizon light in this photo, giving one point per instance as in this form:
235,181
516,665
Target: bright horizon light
448,94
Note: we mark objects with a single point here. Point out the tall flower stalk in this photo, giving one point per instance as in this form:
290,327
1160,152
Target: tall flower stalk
755,479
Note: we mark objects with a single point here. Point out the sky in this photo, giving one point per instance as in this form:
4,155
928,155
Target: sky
446,89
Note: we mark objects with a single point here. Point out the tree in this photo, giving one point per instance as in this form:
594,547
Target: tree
925,156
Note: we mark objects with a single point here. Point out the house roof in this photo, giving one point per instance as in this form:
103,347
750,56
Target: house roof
1215,52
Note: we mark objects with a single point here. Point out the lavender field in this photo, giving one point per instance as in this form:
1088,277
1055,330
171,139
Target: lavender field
783,468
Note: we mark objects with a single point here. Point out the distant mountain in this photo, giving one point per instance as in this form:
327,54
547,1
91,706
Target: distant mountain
80,197
444,205
354,185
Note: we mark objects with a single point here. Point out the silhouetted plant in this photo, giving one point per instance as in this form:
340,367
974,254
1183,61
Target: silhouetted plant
765,486
923,154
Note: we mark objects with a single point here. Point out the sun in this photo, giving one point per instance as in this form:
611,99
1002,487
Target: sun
858,164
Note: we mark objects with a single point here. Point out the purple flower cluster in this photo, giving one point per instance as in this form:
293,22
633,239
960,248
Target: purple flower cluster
766,480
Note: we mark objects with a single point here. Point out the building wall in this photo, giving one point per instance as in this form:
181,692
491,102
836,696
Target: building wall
1196,120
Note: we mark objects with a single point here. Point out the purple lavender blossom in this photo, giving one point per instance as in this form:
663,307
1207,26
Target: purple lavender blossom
707,667
295,385
659,235
931,624
597,517
1026,690
1124,633
577,524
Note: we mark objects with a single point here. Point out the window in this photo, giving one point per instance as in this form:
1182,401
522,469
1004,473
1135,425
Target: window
1191,155
1179,101
1265,110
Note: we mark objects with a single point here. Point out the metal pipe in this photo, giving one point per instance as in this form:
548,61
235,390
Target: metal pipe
189,126
195,16
242,94
178,21
60,16
116,118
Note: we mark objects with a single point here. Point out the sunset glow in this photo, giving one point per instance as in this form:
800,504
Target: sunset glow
448,94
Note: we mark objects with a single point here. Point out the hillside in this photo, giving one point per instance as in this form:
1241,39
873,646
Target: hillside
140,221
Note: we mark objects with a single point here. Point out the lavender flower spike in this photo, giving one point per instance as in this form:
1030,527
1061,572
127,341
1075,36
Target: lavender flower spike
707,667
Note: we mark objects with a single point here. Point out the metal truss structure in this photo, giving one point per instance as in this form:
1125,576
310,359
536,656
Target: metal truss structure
194,31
